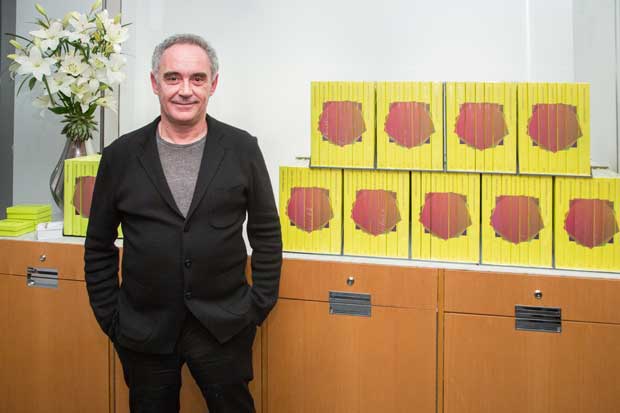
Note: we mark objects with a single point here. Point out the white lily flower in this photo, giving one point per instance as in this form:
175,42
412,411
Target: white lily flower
93,86
60,82
114,71
42,101
73,64
108,101
82,28
78,90
116,34
104,19
50,37
34,63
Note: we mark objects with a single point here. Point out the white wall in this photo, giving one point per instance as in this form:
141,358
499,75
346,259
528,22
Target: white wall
270,50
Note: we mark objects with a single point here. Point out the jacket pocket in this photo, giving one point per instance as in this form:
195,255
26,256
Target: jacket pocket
227,206
133,323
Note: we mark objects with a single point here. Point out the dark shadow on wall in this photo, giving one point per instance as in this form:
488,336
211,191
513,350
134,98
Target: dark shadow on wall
7,105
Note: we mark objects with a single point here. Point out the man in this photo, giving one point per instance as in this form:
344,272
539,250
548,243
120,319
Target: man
180,187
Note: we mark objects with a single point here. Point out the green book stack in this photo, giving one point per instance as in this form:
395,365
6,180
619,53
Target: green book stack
33,213
15,228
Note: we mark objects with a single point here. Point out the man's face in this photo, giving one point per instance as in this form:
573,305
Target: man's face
184,84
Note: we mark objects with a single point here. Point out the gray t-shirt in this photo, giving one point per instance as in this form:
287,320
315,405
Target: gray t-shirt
181,164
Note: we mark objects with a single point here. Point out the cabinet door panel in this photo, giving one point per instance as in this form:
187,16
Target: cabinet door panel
491,367
319,362
191,397
17,256
57,357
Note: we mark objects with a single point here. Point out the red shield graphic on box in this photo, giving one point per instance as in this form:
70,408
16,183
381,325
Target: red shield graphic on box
309,208
554,127
83,195
481,125
591,222
517,218
409,124
445,214
342,122
375,211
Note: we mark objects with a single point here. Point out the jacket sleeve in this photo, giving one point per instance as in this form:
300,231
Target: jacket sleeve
101,262
265,237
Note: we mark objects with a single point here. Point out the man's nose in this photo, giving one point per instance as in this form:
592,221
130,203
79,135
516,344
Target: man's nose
185,89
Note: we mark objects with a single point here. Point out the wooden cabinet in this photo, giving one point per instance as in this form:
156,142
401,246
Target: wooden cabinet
321,362
490,366
54,357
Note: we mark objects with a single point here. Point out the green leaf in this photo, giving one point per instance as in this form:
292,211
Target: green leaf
91,110
22,84
59,110
32,82
17,36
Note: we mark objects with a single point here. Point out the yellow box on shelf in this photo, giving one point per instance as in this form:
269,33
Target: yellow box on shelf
36,213
15,228
517,220
554,128
587,215
410,125
445,216
311,209
343,124
80,174
376,213
481,127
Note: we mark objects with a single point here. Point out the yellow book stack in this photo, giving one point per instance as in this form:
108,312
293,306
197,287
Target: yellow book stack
376,213
481,127
410,125
311,209
554,128
517,220
445,216
587,219
343,124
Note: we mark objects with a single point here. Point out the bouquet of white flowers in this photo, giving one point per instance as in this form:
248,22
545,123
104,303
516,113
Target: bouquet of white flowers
76,62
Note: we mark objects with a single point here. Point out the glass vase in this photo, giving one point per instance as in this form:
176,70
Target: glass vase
72,149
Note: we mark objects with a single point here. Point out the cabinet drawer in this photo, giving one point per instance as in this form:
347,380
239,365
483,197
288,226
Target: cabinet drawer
581,299
17,256
388,285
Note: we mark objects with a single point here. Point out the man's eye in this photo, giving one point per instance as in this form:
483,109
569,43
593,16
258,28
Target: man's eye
172,78
199,79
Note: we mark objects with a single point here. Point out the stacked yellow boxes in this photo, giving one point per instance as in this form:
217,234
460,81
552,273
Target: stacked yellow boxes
554,128
587,219
481,127
517,220
445,216
410,125
80,174
343,124
376,213
311,209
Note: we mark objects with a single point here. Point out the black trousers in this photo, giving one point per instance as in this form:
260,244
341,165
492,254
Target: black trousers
222,371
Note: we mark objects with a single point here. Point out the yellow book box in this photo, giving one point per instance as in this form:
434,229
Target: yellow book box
481,127
410,125
80,174
445,216
343,124
311,209
554,128
376,213
587,216
517,220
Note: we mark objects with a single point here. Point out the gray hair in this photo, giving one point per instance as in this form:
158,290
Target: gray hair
185,39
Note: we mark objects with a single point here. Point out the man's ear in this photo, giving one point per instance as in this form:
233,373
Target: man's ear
154,84
214,84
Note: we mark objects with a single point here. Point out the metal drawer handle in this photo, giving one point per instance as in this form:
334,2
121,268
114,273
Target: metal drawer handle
42,257
350,281
538,294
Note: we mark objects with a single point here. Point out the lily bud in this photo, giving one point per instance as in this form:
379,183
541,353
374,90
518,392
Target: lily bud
16,44
12,56
95,5
117,19
40,9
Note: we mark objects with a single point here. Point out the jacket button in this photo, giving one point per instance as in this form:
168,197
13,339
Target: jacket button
188,263
188,295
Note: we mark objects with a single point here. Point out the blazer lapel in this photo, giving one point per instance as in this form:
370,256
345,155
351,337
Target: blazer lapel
211,160
149,159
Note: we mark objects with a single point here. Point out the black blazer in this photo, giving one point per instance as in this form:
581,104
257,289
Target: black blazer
170,263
